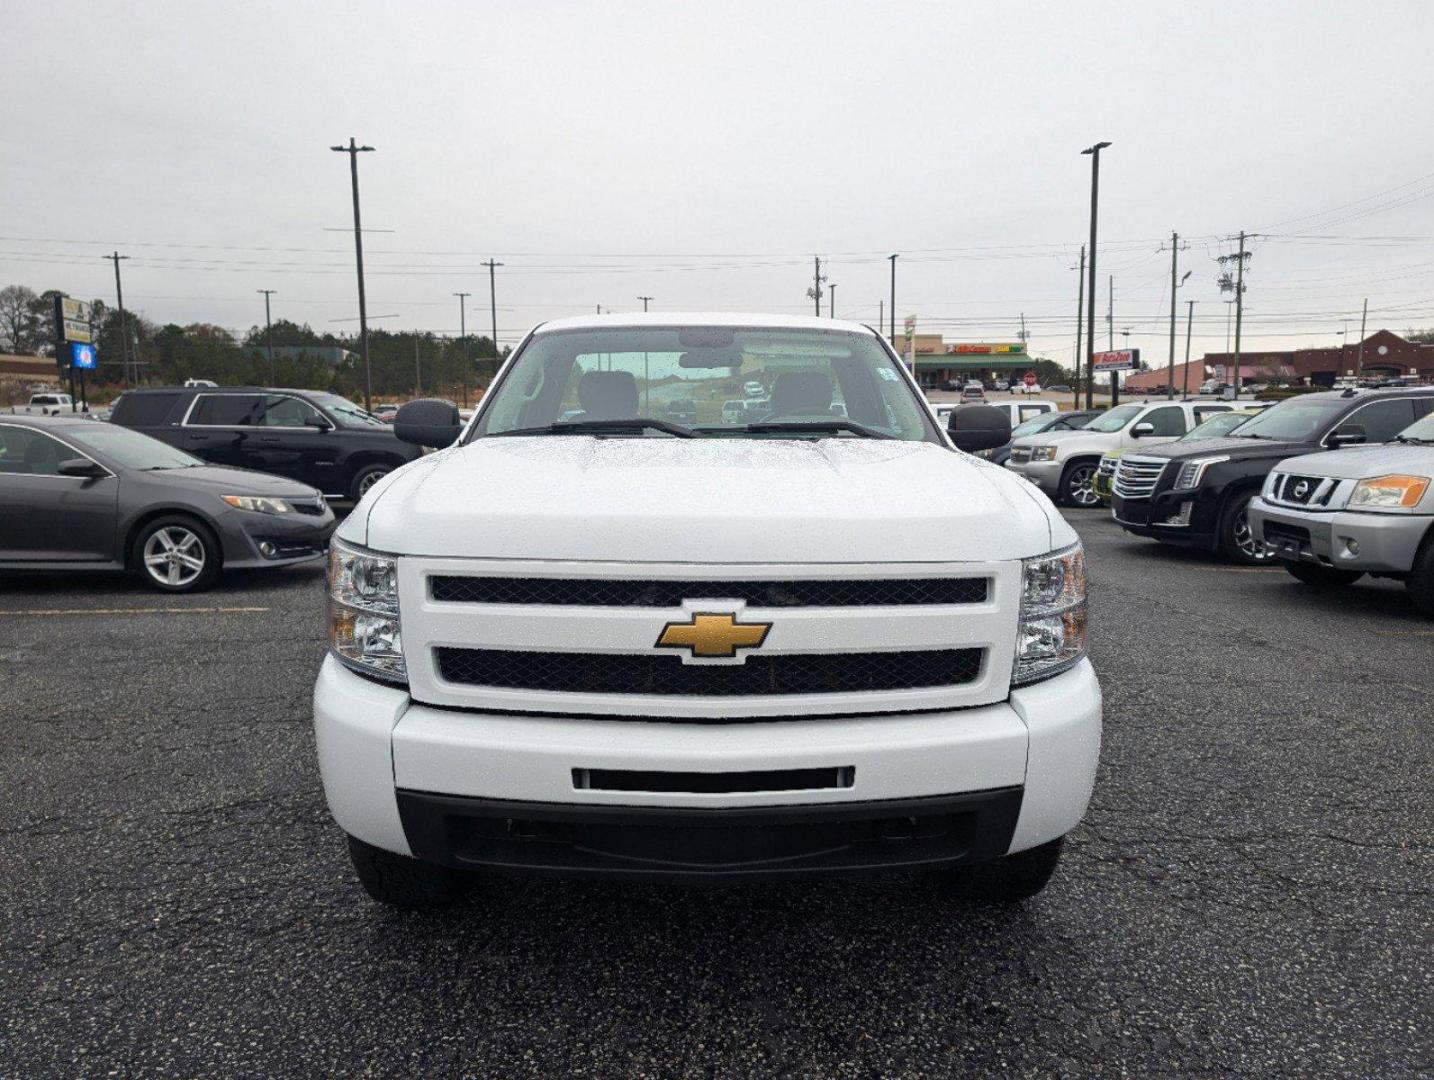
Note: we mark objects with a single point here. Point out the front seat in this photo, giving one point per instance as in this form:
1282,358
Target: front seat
608,395
801,393
42,456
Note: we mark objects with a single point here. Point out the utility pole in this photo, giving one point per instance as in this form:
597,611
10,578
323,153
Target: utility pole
1174,285
815,292
893,259
124,326
417,376
269,325
644,300
463,339
1110,342
1094,152
1359,364
1238,284
831,301
353,150
1080,310
880,315
1189,324
493,304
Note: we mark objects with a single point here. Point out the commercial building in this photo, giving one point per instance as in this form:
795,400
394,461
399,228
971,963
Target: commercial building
1385,355
938,362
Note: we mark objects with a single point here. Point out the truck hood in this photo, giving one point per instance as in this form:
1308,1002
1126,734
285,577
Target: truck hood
706,501
1238,449
1359,462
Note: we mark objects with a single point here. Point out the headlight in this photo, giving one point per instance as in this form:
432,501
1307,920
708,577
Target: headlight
1193,471
1043,453
1389,491
1051,634
363,612
259,504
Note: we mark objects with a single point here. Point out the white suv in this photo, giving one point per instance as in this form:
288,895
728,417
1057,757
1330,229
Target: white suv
617,645
1063,464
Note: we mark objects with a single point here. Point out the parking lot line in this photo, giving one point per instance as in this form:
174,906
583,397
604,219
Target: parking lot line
1241,569
1405,633
137,611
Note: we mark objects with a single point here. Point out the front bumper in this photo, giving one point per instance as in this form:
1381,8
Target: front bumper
1383,543
252,540
537,791
1046,475
1186,517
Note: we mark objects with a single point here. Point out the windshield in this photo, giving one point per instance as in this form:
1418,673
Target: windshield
1215,427
346,413
1115,419
1419,431
1035,424
739,382
1292,421
130,448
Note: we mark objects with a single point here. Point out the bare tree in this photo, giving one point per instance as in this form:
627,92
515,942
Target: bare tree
18,321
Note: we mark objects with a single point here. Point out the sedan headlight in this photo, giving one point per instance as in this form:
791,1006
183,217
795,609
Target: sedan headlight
1193,471
259,504
363,612
1050,637
1389,492
1043,453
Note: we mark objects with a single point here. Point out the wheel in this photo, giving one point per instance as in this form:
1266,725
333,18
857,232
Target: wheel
1420,582
400,881
366,477
1077,484
1323,577
176,554
1237,542
1006,880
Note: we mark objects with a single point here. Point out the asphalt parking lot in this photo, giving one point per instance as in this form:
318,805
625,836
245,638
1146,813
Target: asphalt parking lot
1249,895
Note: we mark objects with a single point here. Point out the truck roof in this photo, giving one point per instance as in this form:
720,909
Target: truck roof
701,318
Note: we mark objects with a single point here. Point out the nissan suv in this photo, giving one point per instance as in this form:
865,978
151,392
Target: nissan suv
800,644
1198,494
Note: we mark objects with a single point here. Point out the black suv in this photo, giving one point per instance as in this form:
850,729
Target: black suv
1197,493
319,439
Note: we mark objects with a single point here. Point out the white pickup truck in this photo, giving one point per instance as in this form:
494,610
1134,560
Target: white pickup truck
45,405
587,639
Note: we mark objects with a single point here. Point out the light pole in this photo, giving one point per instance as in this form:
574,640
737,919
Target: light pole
1189,324
1094,152
644,300
269,325
124,328
493,306
463,339
353,150
831,301
893,259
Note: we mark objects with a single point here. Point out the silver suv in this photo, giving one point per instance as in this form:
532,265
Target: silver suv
1333,517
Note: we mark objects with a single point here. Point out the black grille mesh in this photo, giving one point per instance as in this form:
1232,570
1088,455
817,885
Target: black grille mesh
662,674
657,594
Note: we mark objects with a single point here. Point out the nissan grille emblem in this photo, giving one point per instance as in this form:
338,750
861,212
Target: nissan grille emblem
1302,489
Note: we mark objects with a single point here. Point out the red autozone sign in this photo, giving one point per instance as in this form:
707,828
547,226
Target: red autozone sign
1118,360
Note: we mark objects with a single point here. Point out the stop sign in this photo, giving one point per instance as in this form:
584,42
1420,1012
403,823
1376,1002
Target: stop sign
1030,379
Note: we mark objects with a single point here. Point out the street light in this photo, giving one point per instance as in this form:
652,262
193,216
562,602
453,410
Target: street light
463,339
893,259
1094,152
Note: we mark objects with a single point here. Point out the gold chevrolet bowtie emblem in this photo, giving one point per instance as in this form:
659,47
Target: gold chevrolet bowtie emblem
713,635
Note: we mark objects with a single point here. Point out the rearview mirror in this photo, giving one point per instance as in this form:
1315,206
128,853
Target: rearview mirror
1347,435
428,422
978,427
80,467
1139,431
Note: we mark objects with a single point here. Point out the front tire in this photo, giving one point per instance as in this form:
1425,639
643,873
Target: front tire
1323,577
176,554
1420,582
366,477
1077,485
1007,880
1237,541
402,882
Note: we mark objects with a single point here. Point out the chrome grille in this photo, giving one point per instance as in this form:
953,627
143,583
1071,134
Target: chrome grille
1108,467
1303,491
1135,478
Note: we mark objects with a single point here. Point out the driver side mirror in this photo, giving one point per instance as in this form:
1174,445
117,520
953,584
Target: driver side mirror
1347,435
82,467
978,427
1139,431
428,422
321,423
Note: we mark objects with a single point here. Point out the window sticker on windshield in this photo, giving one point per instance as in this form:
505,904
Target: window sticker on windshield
887,373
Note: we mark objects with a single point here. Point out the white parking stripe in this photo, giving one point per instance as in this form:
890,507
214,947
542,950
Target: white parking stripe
138,611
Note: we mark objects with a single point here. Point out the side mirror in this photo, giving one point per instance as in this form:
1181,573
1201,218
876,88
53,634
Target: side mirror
428,422
978,427
80,467
1139,431
1348,435
321,423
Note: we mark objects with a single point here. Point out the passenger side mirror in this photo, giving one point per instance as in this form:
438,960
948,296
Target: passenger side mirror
321,423
428,422
1347,435
1139,431
79,466
978,427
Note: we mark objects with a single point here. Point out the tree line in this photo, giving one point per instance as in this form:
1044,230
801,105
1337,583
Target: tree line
402,364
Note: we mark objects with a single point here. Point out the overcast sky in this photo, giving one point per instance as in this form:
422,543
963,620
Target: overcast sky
702,155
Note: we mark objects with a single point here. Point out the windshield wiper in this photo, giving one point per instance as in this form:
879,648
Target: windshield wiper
1413,439
802,426
597,427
